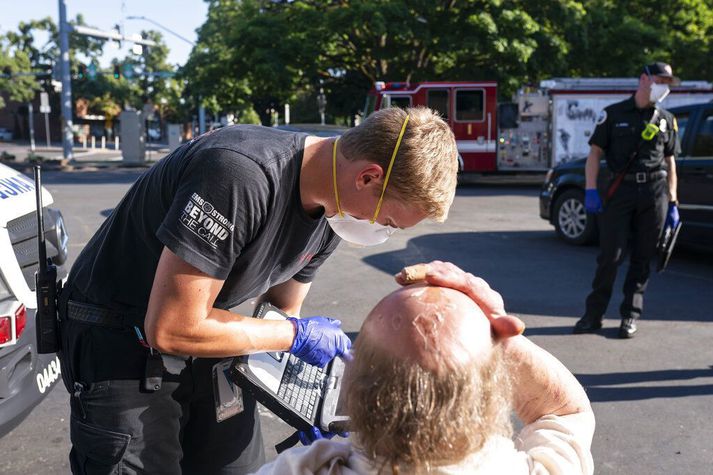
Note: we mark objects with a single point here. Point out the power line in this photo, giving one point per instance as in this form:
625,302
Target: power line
162,27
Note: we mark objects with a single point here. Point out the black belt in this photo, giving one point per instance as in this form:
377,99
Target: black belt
645,177
95,315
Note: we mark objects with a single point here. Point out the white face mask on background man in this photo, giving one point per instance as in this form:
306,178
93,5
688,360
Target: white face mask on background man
362,232
658,92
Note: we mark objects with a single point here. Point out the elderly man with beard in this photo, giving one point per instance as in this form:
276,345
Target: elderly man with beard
437,367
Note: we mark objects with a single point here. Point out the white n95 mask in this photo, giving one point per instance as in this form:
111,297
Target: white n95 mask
658,92
360,232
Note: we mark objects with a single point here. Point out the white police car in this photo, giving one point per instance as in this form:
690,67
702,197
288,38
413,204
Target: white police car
26,377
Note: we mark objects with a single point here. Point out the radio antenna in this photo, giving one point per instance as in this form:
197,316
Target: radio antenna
40,220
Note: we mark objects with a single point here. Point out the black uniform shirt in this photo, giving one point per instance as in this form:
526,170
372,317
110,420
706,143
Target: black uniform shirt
228,203
618,133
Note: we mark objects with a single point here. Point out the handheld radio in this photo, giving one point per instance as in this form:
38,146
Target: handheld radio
45,283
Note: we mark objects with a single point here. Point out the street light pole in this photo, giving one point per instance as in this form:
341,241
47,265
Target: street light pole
67,138
31,116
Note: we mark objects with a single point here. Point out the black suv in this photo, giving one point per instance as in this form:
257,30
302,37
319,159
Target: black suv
562,194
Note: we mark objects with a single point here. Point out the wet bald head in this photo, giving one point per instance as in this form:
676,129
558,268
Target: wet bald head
436,327
426,386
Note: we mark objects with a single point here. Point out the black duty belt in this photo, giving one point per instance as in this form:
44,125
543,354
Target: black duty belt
645,177
96,315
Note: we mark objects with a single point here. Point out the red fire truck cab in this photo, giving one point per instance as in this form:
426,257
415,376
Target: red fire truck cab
468,107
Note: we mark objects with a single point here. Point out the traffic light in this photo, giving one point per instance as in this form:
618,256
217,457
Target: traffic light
117,71
82,72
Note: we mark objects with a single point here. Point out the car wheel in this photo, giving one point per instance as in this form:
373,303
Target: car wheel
572,222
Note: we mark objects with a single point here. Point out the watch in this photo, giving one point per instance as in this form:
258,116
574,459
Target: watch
673,202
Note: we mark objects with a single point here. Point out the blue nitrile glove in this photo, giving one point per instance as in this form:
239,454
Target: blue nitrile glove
318,340
315,433
672,217
592,202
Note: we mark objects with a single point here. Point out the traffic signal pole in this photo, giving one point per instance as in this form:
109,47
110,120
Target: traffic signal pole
65,72
67,136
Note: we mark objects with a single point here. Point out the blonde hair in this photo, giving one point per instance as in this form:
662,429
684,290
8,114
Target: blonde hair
408,417
426,166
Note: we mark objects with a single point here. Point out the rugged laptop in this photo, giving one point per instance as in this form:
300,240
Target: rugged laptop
300,394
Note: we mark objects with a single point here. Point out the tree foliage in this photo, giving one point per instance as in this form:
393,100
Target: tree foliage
254,56
104,94
267,52
18,88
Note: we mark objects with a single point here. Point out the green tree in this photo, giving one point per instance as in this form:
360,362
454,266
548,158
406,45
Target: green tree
273,51
617,38
46,56
18,88
218,72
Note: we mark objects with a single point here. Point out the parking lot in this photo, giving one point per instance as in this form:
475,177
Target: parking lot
652,395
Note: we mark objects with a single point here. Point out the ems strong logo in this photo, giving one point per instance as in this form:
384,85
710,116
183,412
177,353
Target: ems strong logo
203,220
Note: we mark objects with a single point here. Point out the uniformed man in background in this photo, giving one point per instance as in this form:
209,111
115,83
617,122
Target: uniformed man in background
639,140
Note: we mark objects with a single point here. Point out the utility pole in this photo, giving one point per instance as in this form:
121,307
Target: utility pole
67,138
201,117
64,29
31,116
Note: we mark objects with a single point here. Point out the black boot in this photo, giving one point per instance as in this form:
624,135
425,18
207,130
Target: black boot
627,328
587,325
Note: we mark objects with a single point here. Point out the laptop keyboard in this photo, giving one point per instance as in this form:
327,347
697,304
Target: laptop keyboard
301,386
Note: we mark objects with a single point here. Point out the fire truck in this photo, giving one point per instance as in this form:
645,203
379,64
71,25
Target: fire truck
539,129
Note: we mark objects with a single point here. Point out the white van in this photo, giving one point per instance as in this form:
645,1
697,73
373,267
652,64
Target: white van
25,376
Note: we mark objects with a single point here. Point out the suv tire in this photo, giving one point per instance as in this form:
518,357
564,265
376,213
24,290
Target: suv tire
572,222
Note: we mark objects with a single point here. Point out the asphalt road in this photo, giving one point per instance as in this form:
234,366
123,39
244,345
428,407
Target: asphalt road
652,395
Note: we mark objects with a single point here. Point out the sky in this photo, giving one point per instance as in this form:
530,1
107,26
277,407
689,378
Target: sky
180,16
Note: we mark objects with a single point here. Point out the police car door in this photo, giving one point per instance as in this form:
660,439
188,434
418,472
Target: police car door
695,178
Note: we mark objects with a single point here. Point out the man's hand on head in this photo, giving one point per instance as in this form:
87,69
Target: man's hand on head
446,274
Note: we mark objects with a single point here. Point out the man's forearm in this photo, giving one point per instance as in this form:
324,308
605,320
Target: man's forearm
591,167
672,179
541,384
223,334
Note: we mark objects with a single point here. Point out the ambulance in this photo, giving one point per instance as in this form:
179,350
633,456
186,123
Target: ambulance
26,377
540,128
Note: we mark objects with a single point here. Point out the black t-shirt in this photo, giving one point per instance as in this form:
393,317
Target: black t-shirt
618,133
227,203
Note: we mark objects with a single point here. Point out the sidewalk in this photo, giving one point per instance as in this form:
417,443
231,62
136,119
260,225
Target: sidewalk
84,158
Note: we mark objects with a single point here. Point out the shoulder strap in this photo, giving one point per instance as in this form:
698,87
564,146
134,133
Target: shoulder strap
620,176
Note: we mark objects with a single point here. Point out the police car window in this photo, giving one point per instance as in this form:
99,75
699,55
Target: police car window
469,105
437,100
400,101
703,145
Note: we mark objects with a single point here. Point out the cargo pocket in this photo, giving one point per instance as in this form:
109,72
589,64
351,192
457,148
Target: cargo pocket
96,450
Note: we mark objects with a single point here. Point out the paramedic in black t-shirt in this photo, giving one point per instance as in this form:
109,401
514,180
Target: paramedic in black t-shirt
637,209
242,212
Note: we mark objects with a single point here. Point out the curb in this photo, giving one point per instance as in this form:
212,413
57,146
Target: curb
73,166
